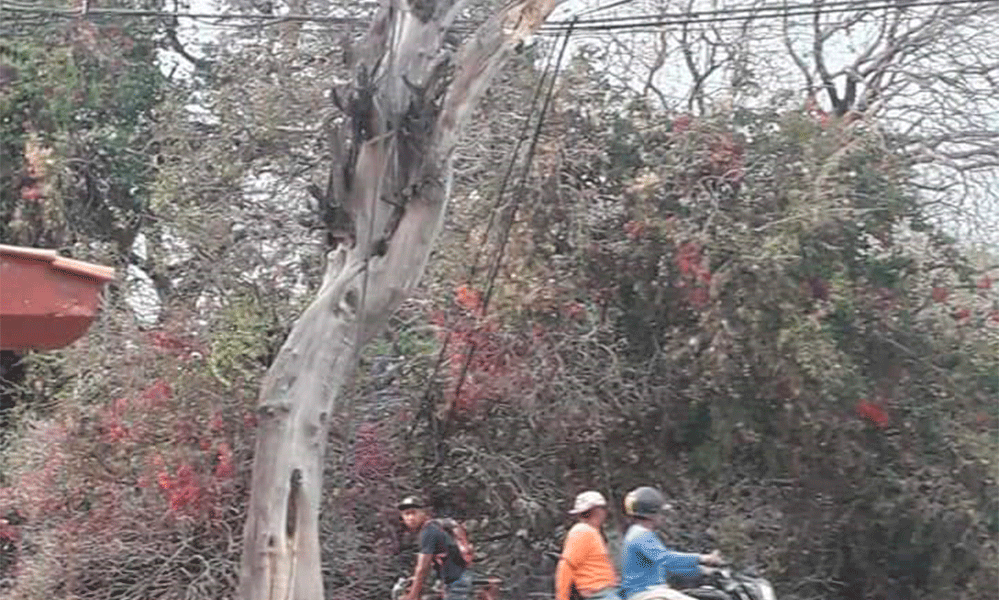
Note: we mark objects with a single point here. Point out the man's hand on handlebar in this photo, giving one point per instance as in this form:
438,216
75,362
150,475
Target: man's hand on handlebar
710,561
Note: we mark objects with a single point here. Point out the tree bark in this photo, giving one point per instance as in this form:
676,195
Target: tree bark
406,108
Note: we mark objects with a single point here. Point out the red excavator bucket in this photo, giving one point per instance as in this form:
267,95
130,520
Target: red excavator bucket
46,301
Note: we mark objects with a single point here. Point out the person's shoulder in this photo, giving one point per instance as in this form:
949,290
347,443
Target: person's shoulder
581,528
640,536
432,536
431,528
632,532
649,539
583,531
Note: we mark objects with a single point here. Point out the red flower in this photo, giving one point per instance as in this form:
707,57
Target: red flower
874,413
726,157
634,229
249,420
689,258
9,532
31,192
224,468
156,393
939,294
960,314
172,344
682,123
216,423
574,310
115,432
698,297
984,282
467,297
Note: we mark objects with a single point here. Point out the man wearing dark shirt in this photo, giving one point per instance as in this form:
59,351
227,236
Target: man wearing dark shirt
437,548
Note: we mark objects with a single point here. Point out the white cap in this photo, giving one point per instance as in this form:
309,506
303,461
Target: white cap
586,501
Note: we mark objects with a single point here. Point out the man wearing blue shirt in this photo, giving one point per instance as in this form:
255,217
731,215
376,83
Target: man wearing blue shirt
646,562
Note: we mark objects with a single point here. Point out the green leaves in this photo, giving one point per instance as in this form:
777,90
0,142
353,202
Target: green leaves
88,95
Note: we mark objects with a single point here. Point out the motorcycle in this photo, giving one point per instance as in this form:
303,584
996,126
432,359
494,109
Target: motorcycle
483,588
719,583
723,583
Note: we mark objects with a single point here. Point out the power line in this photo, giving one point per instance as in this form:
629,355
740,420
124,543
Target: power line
301,17
600,25
93,12
735,10
653,21
604,7
514,154
512,160
505,236
426,405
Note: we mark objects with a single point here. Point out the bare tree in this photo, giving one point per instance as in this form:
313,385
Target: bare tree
922,74
927,76
406,106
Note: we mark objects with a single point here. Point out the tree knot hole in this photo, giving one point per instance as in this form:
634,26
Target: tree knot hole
293,502
351,300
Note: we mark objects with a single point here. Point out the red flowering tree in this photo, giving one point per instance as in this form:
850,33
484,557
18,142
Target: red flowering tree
746,300
120,482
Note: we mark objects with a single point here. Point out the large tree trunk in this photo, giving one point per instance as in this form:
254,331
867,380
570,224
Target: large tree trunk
406,108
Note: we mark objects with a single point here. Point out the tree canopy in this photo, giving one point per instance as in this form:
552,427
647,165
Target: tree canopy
755,305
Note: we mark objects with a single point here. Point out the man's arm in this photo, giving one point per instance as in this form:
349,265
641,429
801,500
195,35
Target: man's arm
564,579
579,543
681,563
419,574
672,563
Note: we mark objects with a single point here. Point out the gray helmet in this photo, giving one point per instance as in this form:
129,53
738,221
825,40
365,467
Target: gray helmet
644,502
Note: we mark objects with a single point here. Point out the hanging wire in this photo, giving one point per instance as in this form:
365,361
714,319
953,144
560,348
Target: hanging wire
505,237
648,22
616,24
515,152
604,7
473,268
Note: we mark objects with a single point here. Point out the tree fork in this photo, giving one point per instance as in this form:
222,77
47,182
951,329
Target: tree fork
361,288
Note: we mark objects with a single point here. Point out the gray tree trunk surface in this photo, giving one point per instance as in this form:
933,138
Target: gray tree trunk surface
387,198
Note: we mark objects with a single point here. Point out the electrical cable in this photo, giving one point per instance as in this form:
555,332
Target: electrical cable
528,161
512,159
641,22
758,10
650,21
522,135
473,268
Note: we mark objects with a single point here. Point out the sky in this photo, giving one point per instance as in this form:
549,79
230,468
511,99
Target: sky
628,57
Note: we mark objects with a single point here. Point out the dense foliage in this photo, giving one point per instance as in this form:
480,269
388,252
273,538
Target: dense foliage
76,116
748,308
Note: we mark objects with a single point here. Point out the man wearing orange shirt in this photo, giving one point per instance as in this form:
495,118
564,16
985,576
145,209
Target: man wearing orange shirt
585,561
